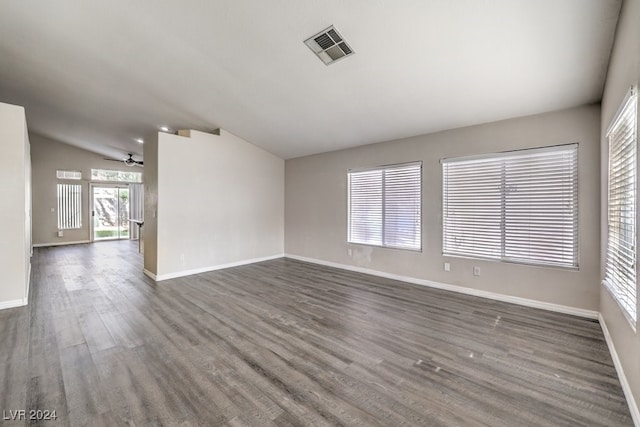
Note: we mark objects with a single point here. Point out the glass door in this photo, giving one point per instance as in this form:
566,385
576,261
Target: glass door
110,212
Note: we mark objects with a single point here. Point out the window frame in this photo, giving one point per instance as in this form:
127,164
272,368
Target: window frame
119,173
498,156
630,101
349,209
68,174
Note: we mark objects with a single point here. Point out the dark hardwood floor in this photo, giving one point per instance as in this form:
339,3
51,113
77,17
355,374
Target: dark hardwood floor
288,343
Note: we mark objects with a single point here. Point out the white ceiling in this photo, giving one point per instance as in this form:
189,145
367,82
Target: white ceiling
99,74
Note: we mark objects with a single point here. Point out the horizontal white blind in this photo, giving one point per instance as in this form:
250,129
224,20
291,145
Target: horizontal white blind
365,207
69,206
620,271
520,206
385,206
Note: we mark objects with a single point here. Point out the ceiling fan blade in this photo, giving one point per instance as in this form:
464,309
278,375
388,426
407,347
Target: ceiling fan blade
130,161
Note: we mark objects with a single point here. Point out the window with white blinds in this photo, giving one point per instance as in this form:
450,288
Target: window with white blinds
520,206
385,206
65,174
69,206
620,270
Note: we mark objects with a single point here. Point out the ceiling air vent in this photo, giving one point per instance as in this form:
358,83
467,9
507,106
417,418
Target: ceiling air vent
329,45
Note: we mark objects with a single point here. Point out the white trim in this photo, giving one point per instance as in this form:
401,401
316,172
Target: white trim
629,94
26,295
149,274
626,388
13,303
510,153
612,293
575,311
167,276
389,166
44,245
18,302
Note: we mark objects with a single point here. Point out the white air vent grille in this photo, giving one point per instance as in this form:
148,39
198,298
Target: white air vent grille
329,46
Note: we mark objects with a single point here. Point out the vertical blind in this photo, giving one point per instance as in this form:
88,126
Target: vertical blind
69,206
620,270
136,207
385,206
520,206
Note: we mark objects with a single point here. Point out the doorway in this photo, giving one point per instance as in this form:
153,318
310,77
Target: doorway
109,212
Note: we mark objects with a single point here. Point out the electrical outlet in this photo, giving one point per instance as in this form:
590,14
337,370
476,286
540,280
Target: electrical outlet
182,259
476,271
447,266
60,233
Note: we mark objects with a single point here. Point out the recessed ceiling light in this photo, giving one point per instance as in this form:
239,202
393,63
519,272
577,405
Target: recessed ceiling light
164,129
140,140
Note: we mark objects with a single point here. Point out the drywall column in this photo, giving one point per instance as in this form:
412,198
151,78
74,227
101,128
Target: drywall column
15,215
624,71
150,227
211,201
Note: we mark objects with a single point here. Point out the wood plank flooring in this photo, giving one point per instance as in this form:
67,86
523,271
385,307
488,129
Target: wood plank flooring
289,343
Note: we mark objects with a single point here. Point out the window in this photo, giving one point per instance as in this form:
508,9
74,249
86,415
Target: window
385,205
520,206
62,174
620,270
118,176
69,206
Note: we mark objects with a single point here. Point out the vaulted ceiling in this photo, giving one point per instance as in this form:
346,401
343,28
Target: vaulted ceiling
99,74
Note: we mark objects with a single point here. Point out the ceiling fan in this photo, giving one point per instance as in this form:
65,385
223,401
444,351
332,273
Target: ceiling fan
129,161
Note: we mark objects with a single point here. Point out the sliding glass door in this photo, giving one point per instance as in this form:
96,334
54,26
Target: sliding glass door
110,211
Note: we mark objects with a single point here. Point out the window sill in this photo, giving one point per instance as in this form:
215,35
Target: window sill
626,315
509,261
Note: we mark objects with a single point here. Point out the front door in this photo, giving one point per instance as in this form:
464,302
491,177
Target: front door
110,211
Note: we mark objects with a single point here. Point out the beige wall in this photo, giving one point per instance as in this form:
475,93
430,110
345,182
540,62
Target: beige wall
48,156
316,208
220,201
150,228
624,71
15,221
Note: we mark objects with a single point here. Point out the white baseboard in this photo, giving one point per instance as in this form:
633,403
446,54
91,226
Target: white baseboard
167,276
13,303
26,295
631,402
149,274
590,314
18,302
44,245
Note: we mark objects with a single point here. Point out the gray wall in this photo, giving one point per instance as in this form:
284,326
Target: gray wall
48,156
150,228
624,71
15,220
219,201
316,208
